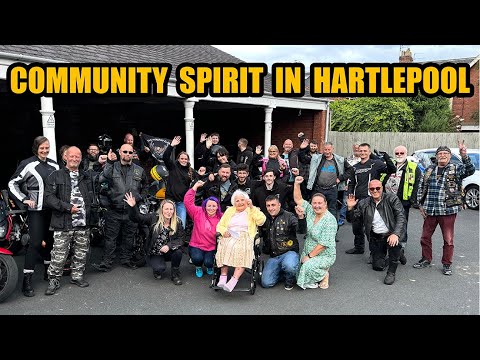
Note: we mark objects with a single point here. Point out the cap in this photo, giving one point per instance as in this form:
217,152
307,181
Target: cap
443,148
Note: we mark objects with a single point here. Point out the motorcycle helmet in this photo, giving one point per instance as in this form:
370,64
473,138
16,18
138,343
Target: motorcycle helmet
159,172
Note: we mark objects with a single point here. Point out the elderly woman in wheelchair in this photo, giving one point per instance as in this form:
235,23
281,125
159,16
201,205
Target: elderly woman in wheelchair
237,227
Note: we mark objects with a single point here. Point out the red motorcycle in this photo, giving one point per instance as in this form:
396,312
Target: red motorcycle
13,237
8,274
13,225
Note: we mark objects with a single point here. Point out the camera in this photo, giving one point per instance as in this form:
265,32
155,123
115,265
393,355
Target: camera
104,144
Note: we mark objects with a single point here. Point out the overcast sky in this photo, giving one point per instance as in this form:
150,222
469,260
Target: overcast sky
307,54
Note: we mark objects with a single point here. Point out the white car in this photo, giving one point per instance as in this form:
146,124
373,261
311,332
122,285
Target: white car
470,184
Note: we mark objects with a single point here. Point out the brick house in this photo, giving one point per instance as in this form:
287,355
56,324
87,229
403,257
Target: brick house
467,108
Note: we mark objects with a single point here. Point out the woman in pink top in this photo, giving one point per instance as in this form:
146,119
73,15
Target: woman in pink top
205,219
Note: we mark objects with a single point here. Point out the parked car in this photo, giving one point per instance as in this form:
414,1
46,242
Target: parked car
470,183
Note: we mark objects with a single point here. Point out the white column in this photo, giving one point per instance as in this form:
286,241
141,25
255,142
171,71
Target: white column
268,130
189,127
48,123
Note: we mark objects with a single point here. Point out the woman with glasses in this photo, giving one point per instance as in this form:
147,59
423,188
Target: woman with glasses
274,161
165,238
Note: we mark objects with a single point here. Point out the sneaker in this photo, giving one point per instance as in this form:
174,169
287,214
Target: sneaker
422,263
210,271
354,251
389,279
190,261
53,286
341,222
311,286
198,272
288,287
157,275
129,265
447,269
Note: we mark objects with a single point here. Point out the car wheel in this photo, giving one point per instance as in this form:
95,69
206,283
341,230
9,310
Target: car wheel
471,197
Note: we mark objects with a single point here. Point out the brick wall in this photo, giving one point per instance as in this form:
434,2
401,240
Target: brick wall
469,106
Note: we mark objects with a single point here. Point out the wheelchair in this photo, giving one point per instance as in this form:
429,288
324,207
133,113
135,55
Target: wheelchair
253,275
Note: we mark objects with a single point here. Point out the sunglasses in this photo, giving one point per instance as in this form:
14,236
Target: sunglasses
127,152
378,188
400,153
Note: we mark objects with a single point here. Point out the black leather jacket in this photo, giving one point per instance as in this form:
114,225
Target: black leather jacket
279,234
390,209
58,193
122,179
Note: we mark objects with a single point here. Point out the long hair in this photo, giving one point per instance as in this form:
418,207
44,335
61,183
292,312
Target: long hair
212,198
190,169
161,218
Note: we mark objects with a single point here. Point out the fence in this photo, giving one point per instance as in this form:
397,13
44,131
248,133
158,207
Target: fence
387,141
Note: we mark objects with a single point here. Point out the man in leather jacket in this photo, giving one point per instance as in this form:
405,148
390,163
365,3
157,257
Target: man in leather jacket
384,219
279,233
122,176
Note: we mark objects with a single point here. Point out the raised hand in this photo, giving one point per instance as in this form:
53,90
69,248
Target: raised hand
258,149
202,170
462,148
203,137
176,140
130,199
198,184
295,171
209,142
351,201
299,179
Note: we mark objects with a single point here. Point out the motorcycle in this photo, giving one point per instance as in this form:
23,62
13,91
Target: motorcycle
138,258
13,225
8,274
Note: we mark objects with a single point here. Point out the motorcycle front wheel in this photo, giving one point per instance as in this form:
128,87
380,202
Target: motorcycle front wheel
8,276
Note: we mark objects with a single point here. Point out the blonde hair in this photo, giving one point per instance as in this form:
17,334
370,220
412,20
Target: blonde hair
161,218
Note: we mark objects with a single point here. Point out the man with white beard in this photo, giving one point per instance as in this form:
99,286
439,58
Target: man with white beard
404,183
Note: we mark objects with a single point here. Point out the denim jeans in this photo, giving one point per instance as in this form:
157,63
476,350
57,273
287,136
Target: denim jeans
181,212
281,267
343,211
201,257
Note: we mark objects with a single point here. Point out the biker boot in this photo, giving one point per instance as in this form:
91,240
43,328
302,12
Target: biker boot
27,288
176,276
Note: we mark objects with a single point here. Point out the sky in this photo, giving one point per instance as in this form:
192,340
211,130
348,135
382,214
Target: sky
307,54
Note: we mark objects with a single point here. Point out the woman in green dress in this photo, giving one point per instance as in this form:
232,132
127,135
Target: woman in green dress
319,252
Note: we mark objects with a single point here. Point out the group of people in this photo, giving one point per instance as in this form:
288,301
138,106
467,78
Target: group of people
289,194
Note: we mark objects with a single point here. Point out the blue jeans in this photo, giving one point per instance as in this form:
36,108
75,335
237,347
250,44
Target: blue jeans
181,212
281,267
201,257
343,210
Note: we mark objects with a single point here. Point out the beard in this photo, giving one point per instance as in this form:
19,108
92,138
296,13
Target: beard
92,157
400,159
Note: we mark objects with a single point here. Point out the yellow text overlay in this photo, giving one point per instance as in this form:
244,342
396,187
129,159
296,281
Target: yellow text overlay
97,79
390,80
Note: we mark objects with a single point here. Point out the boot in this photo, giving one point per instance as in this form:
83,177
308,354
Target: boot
27,288
176,276
390,277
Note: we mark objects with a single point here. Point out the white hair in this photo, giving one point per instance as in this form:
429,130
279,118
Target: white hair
239,193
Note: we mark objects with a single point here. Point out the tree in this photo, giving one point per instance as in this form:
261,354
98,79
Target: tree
373,114
431,114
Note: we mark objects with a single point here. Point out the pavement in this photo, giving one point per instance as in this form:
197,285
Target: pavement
355,289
